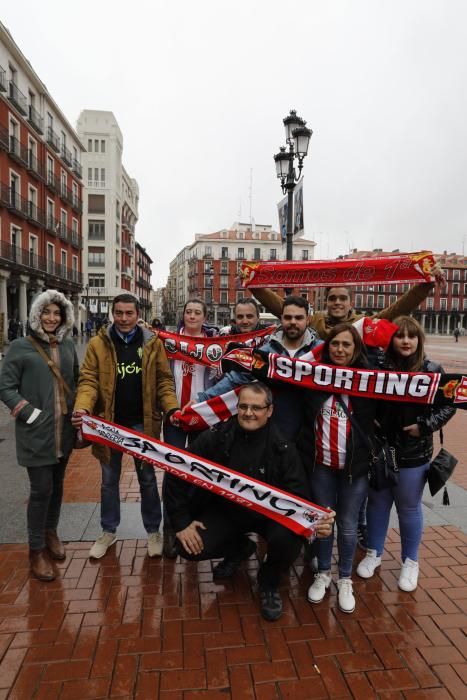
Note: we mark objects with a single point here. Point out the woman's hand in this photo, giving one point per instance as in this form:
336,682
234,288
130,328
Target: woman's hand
190,538
77,418
323,528
412,430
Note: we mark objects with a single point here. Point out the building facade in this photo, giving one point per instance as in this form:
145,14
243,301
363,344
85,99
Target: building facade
40,191
209,267
111,199
142,275
442,311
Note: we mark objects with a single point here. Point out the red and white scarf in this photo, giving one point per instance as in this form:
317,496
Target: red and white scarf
387,269
289,510
332,430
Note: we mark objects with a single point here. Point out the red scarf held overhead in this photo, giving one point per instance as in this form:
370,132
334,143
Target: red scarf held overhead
388,269
413,387
208,351
289,510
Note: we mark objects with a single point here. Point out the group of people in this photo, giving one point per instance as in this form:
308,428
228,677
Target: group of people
310,444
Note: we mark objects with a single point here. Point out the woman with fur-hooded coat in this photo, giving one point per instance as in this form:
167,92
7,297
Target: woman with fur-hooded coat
42,408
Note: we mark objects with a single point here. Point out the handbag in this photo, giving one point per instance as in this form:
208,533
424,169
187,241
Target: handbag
441,469
383,470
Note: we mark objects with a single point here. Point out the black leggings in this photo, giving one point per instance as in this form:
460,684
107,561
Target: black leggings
45,501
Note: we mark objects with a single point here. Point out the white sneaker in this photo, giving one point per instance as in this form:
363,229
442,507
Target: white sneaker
317,590
155,544
101,545
345,596
369,564
408,578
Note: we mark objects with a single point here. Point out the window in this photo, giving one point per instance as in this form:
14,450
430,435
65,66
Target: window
443,304
102,146
96,230
63,261
273,254
96,203
380,301
224,268
63,181
63,139
207,250
358,301
224,298
74,228
207,267
96,256
224,281
241,253
455,287
50,214
257,254
392,298
50,258
456,275
429,303
96,145
208,296
96,279
63,221
90,145
455,304
370,301
74,267
50,168
465,305
102,175
304,255
15,237
224,252
50,121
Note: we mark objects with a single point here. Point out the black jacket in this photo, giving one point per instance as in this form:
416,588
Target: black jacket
282,468
414,451
357,458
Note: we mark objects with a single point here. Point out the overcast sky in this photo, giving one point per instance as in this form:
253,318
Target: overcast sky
200,89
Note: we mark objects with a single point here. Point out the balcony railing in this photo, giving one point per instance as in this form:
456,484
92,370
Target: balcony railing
77,169
4,138
17,98
36,120
2,80
66,156
35,167
20,257
76,240
18,151
53,182
97,184
53,139
36,215
52,224
18,204
65,193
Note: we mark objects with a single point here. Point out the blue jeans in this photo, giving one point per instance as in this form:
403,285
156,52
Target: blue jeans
110,492
407,496
331,488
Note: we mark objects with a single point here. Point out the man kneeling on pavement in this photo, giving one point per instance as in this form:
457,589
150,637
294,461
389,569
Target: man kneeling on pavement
208,526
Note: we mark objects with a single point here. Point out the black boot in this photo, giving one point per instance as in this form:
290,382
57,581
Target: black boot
41,567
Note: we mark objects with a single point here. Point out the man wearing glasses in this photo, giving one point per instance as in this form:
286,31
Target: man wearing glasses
209,526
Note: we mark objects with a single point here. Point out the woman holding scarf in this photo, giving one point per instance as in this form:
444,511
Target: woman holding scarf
37,383
336,458
409,429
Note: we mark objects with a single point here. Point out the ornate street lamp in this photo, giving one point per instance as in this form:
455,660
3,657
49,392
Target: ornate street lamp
297,136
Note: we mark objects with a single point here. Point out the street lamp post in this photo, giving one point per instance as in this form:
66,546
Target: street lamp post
98,303
297,136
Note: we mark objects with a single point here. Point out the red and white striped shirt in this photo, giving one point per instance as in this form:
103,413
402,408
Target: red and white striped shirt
332,430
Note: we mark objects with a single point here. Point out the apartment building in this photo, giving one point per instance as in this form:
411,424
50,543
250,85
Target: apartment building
208,268
40,190
142,275
110,214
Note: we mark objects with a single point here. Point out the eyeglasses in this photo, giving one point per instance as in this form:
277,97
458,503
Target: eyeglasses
254,408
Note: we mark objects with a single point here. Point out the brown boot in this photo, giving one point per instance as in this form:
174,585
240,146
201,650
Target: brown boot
41,567
54,545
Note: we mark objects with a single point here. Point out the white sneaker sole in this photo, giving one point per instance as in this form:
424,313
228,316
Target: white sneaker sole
315,602
349,612
99,556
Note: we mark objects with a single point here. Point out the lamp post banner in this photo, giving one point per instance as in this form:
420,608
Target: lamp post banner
298,220
208,351
413,387
291,511
388,269
282,209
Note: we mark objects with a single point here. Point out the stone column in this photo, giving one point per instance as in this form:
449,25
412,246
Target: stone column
436,323
448,327
4,275
423,321
23,298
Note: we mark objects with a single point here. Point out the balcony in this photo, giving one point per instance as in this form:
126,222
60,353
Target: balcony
35,167
65,193
64,233
18,204
18,151
53,182
36,120
27,259
4,138
97,184
77,169
76,240
128,272
53,139
4,195
17,98
36,215
66,156
76,203
52,224
2,80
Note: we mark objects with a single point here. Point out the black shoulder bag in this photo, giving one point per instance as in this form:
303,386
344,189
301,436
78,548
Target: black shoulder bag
440,470
383,469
